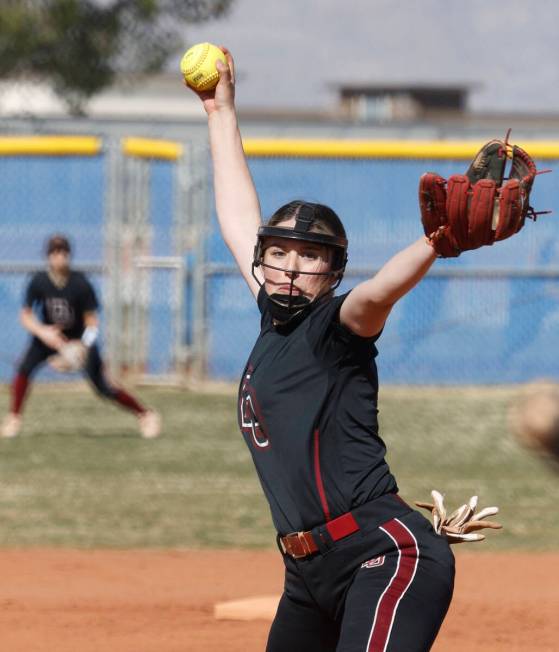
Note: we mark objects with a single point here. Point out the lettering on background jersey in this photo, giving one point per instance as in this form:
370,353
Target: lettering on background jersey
60,312
251,424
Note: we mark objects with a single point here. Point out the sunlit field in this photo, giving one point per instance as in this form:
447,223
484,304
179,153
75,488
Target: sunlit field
80,475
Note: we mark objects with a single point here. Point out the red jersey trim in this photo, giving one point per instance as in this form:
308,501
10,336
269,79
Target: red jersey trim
318,476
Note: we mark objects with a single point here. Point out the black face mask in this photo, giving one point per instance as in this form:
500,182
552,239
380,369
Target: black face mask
284,307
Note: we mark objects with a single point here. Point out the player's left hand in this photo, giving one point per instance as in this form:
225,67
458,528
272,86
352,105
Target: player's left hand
463,523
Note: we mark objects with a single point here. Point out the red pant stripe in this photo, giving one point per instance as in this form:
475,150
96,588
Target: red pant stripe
408,557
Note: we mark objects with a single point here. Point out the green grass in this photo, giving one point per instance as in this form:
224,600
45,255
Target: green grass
79,474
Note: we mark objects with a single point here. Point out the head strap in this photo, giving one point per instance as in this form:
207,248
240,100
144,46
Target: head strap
304,219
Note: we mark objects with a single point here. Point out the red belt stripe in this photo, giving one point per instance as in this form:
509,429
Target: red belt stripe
408,557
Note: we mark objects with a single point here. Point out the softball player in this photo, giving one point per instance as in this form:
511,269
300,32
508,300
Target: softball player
363,570
68,312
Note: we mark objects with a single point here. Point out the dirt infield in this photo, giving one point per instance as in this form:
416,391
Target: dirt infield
144,601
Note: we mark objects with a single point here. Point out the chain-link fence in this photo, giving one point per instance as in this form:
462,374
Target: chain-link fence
174,304
42,195
156,212
489,316
127,207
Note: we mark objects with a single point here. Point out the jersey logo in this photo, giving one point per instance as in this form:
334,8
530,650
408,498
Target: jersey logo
251,423
373,563
60,312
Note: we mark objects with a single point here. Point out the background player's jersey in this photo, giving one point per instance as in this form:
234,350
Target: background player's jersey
308,412
62,306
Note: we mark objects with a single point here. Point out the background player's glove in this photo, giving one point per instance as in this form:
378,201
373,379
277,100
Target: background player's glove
71,357
463,523
477,208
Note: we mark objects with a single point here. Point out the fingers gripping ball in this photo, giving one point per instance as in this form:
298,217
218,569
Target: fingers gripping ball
534,418
198,66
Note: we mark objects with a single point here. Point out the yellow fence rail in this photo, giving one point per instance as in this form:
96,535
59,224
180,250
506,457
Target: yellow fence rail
397,149
149,148
259,147
50,146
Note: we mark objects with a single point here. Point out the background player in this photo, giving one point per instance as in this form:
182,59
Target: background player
68,307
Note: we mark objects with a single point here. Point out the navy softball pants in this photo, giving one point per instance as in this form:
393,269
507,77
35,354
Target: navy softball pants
386,588
37,354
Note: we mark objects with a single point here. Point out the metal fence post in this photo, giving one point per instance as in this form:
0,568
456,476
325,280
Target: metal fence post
113,218
192,222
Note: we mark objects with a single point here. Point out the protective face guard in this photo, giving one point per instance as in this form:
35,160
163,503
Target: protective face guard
286,306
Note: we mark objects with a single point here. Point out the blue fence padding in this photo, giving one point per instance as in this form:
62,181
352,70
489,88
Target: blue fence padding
233,325
44,194
377,201
41,195
453,331
161,207
447,330
160,321
465,330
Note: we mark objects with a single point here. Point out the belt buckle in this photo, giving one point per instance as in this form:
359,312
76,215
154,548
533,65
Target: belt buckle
305,545
287,548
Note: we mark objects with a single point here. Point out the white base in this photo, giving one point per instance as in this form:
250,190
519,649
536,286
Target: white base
262,607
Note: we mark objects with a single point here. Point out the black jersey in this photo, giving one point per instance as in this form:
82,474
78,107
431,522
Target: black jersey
308,412
62,306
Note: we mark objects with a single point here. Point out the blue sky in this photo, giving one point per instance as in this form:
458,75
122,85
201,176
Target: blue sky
292,53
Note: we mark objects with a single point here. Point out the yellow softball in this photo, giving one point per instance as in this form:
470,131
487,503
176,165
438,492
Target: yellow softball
198,66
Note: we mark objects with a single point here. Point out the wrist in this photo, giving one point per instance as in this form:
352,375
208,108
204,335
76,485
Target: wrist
224,115
89,336
432,241
431,245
